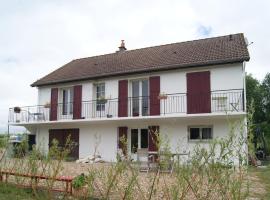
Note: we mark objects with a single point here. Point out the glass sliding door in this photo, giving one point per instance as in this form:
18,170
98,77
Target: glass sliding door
140,97
138,139
67,101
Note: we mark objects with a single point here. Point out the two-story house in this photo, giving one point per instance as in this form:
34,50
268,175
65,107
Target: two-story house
185,90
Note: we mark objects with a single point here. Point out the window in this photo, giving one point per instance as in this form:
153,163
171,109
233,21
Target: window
100,96
200,133
67,101
194,133
140,97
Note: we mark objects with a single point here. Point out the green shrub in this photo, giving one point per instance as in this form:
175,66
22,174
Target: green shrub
79,181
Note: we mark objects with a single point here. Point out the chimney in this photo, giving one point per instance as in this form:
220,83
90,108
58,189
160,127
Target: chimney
122,46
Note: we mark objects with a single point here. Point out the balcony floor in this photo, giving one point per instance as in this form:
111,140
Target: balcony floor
216,115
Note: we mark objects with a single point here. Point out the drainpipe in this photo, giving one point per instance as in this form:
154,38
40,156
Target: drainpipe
245,108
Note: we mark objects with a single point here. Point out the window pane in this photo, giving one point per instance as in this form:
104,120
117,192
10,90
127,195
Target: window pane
134,140
70,101
206,133
135,98
194,133
102,89
64,106
145,97
100,93
144,138
135,88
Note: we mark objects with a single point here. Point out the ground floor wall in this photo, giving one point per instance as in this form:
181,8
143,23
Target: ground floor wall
102,138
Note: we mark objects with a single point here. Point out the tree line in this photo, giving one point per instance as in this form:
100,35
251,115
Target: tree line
258,101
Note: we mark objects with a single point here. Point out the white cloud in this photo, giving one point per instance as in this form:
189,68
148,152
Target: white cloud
37,36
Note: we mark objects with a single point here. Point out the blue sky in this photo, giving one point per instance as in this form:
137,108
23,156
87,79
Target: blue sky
38,36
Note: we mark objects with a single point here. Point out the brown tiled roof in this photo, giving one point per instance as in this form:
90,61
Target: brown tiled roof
211,51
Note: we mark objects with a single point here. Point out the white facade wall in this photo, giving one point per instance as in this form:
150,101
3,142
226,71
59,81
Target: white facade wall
104,134
103,137
224,77
91,137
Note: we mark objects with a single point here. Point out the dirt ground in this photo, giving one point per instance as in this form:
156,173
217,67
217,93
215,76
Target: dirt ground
73,169
255,186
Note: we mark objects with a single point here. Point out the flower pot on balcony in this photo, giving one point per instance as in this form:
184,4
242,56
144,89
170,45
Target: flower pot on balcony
47,105
109,116
162,96
17,109
102,101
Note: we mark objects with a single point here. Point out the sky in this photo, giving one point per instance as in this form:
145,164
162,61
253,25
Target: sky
37,36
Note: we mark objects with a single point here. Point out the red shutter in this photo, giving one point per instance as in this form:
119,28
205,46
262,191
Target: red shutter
54,104
122,133
153,132
198,92
154,94
123,98
77,102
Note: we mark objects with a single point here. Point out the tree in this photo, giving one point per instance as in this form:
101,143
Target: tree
259,94
266,96
254,94
265,86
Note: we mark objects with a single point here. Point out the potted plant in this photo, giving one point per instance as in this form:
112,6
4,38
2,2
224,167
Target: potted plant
101,100
17,109
162,96
47,105
79,185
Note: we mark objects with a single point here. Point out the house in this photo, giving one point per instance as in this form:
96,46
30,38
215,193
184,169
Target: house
185,90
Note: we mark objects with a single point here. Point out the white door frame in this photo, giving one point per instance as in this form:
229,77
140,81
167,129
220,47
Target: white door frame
134,155
140,96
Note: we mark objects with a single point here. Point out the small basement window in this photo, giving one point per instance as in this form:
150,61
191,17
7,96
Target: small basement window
200,133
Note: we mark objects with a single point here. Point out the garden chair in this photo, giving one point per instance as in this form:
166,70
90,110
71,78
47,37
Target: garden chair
145,160
166,162
236,105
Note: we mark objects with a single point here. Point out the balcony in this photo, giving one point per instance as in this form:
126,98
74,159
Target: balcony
221,101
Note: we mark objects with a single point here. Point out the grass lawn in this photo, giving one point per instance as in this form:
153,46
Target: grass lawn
264,176
11,192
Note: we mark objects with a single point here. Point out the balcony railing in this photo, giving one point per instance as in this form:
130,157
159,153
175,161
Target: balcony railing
220,101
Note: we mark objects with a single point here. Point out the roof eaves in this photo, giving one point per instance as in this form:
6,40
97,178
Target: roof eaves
160,68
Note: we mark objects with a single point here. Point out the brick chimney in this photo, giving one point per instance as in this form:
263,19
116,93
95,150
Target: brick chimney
122,46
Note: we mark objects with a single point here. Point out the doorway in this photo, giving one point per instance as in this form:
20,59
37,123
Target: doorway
140,97
138,140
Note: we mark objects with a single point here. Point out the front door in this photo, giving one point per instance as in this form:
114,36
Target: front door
138,140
